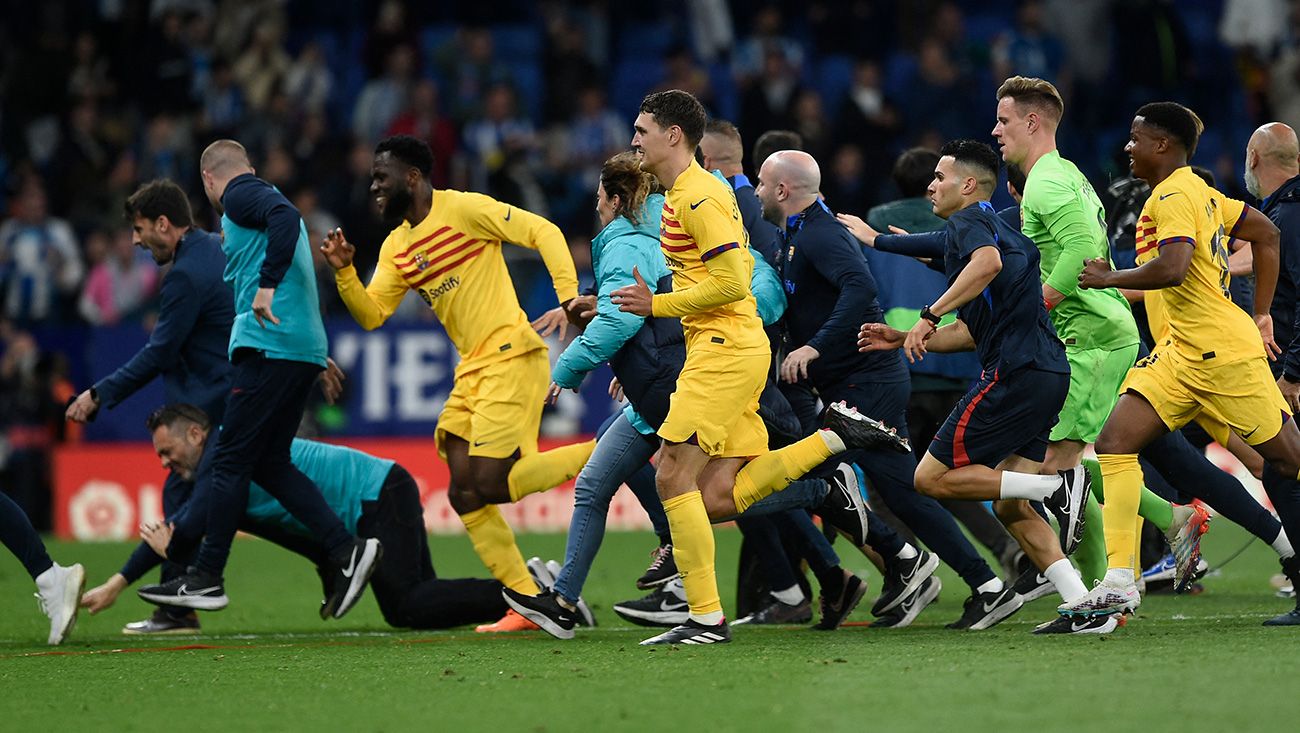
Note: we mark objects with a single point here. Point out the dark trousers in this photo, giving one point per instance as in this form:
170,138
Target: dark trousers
18,534
176,492
890,475
266,403
410,594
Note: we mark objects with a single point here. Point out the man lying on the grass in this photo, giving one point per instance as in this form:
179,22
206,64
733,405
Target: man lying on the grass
373,497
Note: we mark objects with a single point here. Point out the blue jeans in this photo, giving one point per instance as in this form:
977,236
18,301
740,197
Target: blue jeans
620,452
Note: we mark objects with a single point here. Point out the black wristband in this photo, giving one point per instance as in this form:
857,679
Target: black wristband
929,315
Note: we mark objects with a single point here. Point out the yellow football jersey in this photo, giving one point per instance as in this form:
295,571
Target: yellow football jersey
453,260
707,249
1197,317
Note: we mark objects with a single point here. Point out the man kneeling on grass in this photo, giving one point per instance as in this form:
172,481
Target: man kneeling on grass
374,498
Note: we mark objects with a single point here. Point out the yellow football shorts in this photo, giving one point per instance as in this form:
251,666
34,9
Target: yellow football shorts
1239,396
497,408
715,404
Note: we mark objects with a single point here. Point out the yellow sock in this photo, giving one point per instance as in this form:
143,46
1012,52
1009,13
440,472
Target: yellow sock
1137,556
777,469
1123,477
495,544
541,471
693,551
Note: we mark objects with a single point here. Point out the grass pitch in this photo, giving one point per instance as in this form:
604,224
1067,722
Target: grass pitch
268,663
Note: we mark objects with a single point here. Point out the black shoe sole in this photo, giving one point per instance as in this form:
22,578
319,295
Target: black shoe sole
926,570
643,584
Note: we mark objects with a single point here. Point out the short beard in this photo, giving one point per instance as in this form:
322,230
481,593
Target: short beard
395,210
1252,183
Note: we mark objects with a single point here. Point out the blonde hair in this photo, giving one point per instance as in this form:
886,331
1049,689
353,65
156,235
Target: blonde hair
622,176
1033,92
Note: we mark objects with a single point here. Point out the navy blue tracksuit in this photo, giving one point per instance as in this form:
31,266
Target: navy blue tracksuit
187,349
830,293
1283,208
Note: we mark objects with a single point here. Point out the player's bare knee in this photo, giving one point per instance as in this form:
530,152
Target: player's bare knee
464,500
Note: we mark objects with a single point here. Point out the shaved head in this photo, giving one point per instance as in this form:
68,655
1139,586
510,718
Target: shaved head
1276,144
1272,158
224,156
796,169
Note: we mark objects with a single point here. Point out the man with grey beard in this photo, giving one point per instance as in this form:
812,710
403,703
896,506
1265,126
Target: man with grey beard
1273,177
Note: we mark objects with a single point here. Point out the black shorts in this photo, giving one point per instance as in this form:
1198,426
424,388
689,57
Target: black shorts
1001,416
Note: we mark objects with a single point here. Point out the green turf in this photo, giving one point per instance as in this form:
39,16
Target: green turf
1187,663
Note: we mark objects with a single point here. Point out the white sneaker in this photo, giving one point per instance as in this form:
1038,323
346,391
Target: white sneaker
542,575
1105,598
59,594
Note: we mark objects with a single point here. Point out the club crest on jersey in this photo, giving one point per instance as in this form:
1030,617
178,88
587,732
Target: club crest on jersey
421,263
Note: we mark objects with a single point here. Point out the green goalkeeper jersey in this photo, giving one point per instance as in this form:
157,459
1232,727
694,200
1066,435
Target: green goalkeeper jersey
1064,217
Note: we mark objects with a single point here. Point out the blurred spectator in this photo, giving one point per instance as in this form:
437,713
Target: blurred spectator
868,119
318,222
168,69
500,146
845,185
383,99
750,63
40,263
120,283
593,134
223,103
90,75
278,168
308,81
1157,55
261,67
808,118
166,151
423,118
30,419
568,68
765,105
1284,75
938,93
83,160
711,29
681,72
1028,49
391,30
469,64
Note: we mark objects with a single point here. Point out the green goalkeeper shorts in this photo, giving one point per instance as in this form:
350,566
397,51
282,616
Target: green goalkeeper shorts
1095,378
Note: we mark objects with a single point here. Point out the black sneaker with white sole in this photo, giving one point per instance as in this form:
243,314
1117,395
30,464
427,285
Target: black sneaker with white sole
663,568
906,612
984,610
692,632
843,508
1032,585
195,589
664,606
1079,625
585,616
1067,504
861,432
834,612
162,623
902,579
545,610
776,612
352,568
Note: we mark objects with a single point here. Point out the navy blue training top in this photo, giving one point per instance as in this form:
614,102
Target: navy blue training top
1008,321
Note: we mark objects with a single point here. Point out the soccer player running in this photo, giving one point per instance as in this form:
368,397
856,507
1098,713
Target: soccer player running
1061,213
446,246
1211,362
374,497
993,444
1273,176
713,430
278,349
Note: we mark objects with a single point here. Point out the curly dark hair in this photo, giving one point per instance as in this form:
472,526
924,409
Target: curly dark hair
410,150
